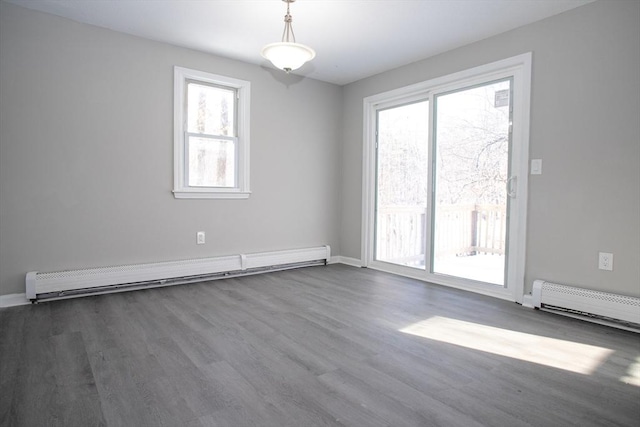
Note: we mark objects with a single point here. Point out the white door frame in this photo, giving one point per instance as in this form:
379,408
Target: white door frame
519,67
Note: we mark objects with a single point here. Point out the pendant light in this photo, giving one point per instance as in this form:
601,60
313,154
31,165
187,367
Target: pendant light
288,55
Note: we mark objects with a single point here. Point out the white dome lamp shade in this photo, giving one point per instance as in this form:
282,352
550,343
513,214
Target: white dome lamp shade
288,55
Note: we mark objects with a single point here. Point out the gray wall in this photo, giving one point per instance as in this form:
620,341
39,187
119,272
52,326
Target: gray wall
86,154
585,117
86,149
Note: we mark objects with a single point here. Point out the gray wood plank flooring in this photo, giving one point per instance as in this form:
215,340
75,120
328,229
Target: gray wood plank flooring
318,346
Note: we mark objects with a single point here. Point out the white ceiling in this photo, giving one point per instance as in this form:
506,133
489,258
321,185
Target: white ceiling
353,39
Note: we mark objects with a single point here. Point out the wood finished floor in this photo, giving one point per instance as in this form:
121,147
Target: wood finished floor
318,346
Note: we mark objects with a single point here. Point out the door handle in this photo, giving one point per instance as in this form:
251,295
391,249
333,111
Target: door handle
512,186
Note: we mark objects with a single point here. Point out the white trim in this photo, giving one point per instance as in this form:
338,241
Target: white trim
180,188
354,262
210,195
520,68
527,301
521,129
61,284
13,300
368,182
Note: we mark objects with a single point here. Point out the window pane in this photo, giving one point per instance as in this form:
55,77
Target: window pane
210,110
212,162
472,168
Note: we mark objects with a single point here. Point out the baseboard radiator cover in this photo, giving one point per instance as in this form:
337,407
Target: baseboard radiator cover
600,307
73,283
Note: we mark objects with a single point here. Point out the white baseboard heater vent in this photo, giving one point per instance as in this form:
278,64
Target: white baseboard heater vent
600,307
74,283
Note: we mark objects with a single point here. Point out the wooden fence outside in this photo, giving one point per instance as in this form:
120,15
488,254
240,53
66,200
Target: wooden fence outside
460,230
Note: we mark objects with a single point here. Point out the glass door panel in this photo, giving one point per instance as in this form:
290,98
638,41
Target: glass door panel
470,201
401,184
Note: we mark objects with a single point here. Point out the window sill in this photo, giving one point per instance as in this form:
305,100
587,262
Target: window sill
211,194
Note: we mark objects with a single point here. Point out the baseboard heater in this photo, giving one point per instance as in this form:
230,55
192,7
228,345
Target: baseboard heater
91,281
600,307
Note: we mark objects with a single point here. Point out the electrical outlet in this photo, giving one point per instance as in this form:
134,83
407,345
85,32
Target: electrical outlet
605,261
200,238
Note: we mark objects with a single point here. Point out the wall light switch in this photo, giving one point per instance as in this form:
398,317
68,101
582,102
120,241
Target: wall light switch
200,237
536,167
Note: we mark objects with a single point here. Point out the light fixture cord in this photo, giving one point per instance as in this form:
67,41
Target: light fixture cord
287,34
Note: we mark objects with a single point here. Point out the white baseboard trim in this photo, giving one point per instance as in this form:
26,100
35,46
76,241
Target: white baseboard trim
527,301
64,284
13,300
345,260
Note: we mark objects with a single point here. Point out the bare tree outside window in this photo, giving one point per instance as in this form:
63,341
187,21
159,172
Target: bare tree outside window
471,172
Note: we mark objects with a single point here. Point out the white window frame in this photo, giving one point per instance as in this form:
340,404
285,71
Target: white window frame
181,189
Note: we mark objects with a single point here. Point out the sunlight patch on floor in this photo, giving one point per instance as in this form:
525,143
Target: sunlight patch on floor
633,374
567,355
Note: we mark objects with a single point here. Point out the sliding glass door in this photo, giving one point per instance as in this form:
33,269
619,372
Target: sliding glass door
442,174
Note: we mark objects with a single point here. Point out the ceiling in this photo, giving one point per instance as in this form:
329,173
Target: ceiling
353,39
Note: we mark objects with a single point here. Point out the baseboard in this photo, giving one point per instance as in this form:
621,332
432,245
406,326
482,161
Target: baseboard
13,300
345,260
63,284
527,301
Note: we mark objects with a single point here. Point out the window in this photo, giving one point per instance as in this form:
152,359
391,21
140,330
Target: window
211,136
